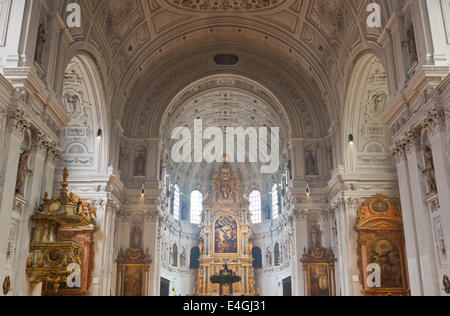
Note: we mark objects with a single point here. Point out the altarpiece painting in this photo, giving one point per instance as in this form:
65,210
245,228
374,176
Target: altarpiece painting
381,243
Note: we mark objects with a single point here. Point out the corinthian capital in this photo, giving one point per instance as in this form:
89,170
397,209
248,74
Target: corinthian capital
412,143
17,123
434,122
398,151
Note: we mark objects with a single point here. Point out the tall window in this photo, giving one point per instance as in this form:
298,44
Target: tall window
275,202
176,202
196,207
255,206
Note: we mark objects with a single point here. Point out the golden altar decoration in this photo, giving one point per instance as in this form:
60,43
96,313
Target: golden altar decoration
225,236
318,268
61,244
133,267
381,241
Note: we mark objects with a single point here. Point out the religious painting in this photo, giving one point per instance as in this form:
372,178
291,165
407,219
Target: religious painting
380,206
381,241
226,235
133,281
319,279
387,255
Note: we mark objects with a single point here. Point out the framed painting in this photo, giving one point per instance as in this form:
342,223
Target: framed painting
319,279
133,280
226,235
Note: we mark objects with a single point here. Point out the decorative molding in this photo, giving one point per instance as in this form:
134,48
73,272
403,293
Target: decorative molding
226,5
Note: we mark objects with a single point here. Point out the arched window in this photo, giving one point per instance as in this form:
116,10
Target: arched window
196,207
195,255
276,253
255,206
257,255
275,202
176,202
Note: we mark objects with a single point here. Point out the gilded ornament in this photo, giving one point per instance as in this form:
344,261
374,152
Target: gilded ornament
7,285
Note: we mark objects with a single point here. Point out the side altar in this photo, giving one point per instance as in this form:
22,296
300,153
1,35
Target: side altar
225,238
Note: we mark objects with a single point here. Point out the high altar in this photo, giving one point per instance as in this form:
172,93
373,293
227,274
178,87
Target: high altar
225,238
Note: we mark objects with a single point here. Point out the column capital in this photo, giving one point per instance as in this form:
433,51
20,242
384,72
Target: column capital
17,123
434,123
52,152
301,214
411,143
398,151
40,143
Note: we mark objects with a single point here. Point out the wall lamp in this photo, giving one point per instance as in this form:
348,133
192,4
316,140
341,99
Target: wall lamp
351,139
99,134
142,190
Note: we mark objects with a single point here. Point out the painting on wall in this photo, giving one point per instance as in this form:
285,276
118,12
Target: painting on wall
133,281
386,254
319,279
225,231
381,243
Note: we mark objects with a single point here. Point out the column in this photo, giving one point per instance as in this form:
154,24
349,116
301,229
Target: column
422,217
298,164
104,248
437,134
153,162
33,196
13,141
49,170
151,240
349,237
409,223
301,243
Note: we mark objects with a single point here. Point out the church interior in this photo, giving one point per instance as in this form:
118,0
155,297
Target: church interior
102,193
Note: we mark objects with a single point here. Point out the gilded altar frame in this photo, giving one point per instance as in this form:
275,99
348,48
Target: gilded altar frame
330,279
225,198
318,257
143,281
238,235
133,258
380,225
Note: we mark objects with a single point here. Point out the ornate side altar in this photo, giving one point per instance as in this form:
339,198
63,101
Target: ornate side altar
381,242
133,266
318,267
61,245
225,238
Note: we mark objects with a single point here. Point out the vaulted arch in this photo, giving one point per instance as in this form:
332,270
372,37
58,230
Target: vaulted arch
85,140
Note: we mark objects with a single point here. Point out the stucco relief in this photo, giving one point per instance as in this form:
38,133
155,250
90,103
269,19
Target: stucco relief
78,139
331,15
373,144
225,5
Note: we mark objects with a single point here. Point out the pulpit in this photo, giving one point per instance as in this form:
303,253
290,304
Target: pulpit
225,237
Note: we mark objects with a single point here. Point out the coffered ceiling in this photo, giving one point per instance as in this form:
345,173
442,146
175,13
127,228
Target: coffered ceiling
139,43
